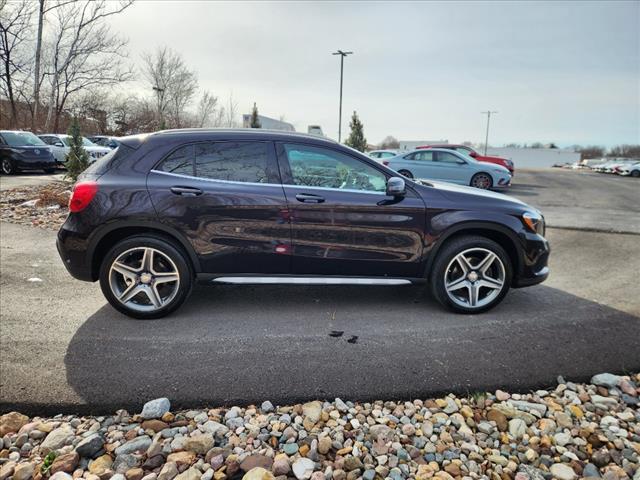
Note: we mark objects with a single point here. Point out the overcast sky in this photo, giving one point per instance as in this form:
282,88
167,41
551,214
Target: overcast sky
567,72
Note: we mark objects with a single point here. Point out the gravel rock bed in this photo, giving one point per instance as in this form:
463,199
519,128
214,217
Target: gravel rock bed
43,206
567,432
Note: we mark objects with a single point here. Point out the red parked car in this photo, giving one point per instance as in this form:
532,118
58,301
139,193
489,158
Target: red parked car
508,164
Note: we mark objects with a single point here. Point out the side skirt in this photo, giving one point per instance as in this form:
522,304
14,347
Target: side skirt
302,280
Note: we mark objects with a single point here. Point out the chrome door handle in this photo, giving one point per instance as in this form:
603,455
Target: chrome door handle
186,191
309,198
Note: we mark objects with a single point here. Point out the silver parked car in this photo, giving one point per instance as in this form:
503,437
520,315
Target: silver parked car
449,166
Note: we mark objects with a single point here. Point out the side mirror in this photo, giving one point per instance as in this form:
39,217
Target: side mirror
58,144
473,154
396,187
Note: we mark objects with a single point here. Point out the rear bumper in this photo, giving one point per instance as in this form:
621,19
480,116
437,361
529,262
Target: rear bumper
72,250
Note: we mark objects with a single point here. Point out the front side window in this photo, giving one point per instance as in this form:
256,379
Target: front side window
423,156
321,167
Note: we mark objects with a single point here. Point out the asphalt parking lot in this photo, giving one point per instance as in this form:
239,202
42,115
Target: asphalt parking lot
64,349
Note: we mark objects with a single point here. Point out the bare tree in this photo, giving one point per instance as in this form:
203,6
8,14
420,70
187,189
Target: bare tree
15,27
229,113
84,53
173,82
207,110
37,77
389,142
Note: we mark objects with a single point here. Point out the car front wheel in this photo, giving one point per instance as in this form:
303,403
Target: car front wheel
406,173
146,277
7,166
471,274
482,181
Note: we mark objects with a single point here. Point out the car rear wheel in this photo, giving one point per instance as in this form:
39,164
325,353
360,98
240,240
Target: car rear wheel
482,180
635,173
146,277
405,173
7,166
471,274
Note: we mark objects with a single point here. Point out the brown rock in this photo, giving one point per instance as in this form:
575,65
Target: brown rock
23,471
65,463
168,417
131,434
155,425
200,444
134,474
253,461
12,422
100,465
500,418
453,469
182,459
7,470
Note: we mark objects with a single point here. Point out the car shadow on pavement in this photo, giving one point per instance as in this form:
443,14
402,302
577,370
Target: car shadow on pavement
243,344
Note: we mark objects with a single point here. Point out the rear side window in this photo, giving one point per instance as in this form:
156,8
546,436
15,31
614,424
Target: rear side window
180,162
232,161
102,164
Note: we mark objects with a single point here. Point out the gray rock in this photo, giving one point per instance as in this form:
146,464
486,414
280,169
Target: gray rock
90,445
156,408
61,476
517,428
267,406
124,462
57,438
562,471
341,406
606,380
138,444
303,468
590,470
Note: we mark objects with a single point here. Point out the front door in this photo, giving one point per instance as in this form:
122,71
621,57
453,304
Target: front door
342,221
227,200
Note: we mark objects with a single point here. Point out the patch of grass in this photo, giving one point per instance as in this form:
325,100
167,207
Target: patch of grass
48,461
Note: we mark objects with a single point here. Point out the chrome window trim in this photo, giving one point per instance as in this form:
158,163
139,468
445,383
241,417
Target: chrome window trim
234,182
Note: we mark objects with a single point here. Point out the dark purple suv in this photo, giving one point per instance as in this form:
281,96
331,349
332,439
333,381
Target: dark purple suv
253,206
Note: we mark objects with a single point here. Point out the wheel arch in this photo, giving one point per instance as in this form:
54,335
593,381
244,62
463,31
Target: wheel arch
503,236
112,235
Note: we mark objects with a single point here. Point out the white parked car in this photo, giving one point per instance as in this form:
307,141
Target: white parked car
59,144
631,169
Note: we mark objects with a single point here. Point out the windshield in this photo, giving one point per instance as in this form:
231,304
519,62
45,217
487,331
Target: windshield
22,139
87,143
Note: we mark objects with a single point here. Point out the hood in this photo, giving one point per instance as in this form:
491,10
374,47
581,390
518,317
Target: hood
453,192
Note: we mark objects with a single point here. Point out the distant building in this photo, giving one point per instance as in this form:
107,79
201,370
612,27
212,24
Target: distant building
413,144
315,130
268,123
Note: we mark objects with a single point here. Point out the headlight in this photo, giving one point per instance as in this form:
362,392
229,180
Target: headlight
534,221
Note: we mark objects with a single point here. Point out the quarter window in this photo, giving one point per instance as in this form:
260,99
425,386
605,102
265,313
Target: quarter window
446,157
232,161
320,167
180,161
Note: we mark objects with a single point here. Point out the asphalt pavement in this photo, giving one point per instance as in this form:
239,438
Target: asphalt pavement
64,349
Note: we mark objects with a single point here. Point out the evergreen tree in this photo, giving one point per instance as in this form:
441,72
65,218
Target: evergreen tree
356,136
77,159
255,121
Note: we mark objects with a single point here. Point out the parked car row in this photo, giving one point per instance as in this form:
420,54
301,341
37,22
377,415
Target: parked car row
20,150
624,167
449,163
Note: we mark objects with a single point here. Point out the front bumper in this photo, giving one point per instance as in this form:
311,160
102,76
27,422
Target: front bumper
534,267
39,164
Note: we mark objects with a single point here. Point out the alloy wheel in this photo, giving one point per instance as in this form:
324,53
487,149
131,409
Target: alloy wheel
481,180
6,166
144,279
474,278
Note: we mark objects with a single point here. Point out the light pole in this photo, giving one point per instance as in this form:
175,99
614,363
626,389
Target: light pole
342,55
159,100
486,138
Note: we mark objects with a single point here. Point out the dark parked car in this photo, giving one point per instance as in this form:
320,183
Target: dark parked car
24,151
253,206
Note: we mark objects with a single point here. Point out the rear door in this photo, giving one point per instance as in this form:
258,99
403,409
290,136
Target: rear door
342,221
227,200
452,168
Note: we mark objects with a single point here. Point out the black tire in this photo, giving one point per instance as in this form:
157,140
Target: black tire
485,184
406,173
166,247
444,259
7,167
635,173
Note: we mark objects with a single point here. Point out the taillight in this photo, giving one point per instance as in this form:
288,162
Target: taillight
82,195
385,163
